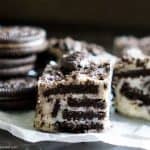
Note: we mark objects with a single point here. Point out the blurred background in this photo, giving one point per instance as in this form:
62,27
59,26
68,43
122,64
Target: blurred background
96,20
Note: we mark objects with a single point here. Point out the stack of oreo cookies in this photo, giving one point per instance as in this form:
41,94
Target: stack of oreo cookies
19,47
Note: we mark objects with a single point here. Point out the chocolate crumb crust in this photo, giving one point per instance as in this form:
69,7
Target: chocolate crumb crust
77,128
135,94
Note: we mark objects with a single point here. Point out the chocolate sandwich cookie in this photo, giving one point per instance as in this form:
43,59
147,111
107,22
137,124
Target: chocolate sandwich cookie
8,62
16,71
15,40
18,93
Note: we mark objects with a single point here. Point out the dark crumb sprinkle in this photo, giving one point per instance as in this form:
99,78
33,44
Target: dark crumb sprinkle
56,108
140,63
49,100
42,124
116,110
105,86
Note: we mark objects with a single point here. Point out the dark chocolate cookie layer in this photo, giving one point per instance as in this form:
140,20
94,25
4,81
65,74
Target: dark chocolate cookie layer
89,88
21,51
14,62
135,94
80,115
17,34
18,103
86,102
78,128
133,73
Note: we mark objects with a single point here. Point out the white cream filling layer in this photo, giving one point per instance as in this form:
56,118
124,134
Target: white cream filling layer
131,108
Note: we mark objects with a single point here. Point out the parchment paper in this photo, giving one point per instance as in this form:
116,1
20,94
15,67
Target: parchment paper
123,131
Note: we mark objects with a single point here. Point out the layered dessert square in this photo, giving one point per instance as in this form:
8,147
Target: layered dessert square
122,42
74,96
132,84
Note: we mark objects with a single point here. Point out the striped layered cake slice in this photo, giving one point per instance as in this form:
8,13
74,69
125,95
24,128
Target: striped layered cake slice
74,97
132,84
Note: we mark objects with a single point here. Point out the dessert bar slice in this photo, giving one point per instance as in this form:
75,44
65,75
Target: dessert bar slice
122,42
59,47
74,96
132,84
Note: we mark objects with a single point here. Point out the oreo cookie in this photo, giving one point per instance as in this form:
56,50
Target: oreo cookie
18,93
8,62
16,34
15,40
18,48
16,71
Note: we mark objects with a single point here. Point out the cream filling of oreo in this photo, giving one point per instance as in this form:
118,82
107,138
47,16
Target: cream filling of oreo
27,44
